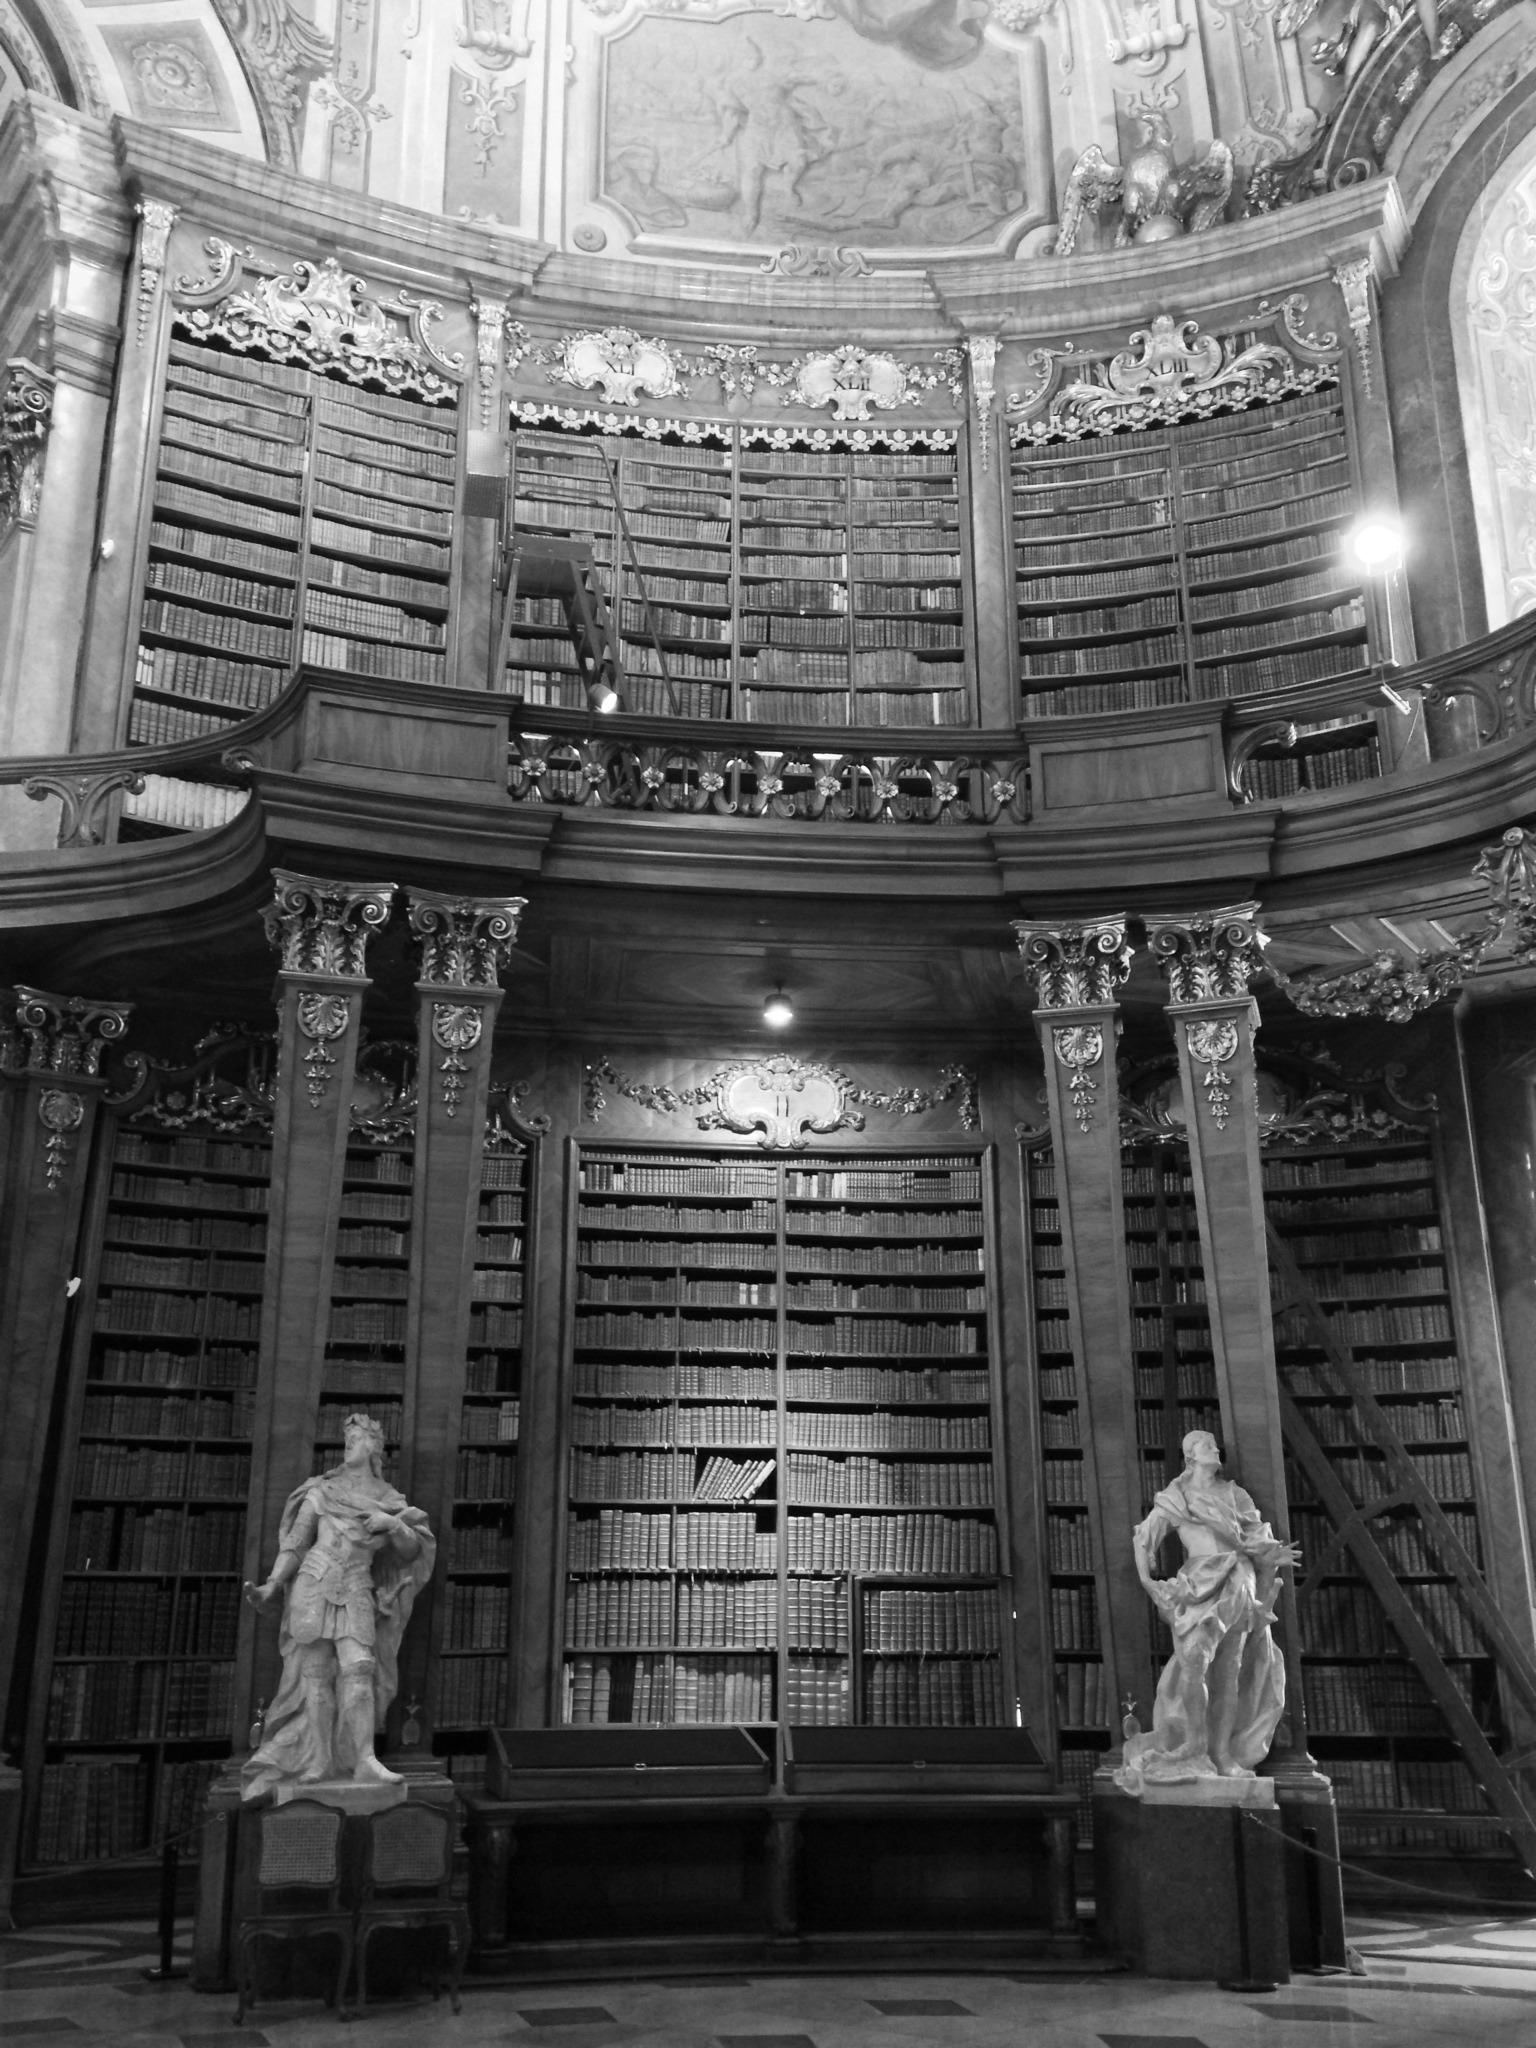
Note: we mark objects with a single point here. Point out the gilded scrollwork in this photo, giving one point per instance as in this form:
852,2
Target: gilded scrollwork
1213,1044
322,1017
617,362
156,219
1078,1048
851,380
781,1098
323,927
465,940
26,413
1208,956
457,1028
1074,966
52,1034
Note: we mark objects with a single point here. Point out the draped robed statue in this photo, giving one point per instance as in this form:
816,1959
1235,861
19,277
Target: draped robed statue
1222,1691
352,1554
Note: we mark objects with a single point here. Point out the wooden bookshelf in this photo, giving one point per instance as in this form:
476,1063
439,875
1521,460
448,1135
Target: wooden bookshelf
814,587
364,1364
295,517
471,1690
137,1670
1324,754
1363,1221
1198,562
783,1490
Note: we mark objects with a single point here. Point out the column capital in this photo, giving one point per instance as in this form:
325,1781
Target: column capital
26,411
1208,955
322,927
465,940
58,1034
1075,966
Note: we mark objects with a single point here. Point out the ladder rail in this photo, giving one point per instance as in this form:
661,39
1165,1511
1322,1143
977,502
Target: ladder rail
611,469
1499,1788
1513,1659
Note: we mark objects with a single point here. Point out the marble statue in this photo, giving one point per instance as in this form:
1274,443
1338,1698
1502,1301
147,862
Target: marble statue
352,1555
1223,1690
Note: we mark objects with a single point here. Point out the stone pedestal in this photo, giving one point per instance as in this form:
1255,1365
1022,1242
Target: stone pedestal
225,1815
1187,1890
345,1794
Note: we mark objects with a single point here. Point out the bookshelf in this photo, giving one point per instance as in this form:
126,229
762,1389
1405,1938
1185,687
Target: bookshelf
473,1658
784,1497
804,586
138,1670
1191,564
364,1362
1328,753
295,517
1363,1221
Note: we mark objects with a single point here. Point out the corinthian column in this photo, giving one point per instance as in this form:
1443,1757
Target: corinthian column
320,930
1078,970
464,944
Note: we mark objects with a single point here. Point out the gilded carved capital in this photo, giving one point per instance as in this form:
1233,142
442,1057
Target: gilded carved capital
58,1034
465,940
323,927
1209,955
1075,966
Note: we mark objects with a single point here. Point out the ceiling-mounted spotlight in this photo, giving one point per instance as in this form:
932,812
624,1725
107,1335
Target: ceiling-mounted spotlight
778,1010
602,696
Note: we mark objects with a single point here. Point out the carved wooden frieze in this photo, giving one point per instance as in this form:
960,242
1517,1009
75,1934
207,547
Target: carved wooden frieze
780,1099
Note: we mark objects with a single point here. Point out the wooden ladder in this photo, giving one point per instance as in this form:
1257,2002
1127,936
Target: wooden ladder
1356,1527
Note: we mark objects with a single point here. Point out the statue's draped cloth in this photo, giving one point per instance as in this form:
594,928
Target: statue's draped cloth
350,1584
1217,1603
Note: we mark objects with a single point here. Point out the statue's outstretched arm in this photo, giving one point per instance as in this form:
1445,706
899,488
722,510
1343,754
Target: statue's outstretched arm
300,1535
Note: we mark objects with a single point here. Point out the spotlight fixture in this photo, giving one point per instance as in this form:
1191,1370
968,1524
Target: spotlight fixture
602,696
778,1010
1377,545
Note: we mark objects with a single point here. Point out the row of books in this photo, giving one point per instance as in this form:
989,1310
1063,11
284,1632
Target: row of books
208,1233
1447,1473
1060,1431
914,1545
1280,671
480,1546
860,1481
110,1618
1371,1699
1420,1323
1414,1782
1062,1482
472,1691
960,1618
939,1384
169,1414
242,593
882,1337
150,1269
675,1177
229,550
123,1472
143,1701
1318,1171
1068,1547
625,1540
1348,617
479,1617
372,658
1111,656
224,630
607,1380
130,1310
482,1424
604,1287
90,1807
828,1430
1071,700
1074,1618
1097,619
635,1475
883,1222
134,1539
659,1426
1344,1283
676,1333
1350,1210
1414,1421
940,1692
623,1612
1082,1694
817,1692
187,1194
235,687
758,1215
485,1475
896,1258
743,1613
1321,768
346,614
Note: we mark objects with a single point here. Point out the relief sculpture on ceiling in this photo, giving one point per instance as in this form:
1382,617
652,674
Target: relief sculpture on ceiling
880,127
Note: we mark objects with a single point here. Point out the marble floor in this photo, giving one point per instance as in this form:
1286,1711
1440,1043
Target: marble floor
1462,1983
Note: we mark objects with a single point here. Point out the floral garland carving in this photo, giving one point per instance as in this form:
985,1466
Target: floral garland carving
736,1098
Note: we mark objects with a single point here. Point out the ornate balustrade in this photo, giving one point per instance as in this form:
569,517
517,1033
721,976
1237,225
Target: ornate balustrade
628,763
797,778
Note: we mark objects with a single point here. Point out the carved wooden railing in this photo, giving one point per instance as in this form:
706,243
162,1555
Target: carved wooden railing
984,780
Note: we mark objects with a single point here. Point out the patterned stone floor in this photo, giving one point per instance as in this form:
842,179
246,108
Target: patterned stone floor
1463,1983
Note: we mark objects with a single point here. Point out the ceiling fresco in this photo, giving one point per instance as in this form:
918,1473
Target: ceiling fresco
795,137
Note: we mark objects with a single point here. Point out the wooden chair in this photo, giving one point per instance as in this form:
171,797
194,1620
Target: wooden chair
407,1871
292,1881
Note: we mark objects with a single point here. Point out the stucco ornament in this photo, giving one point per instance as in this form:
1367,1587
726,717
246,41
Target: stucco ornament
1158,198
849,379
618,363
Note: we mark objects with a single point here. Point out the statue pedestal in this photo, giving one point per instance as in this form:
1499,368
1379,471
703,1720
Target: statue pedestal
345,1794
1191,1882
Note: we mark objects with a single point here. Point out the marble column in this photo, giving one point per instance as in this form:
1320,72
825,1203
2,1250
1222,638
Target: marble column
320,930
51,1087
1078,970
464,944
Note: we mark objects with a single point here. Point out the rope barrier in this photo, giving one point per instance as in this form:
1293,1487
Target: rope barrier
1504,1907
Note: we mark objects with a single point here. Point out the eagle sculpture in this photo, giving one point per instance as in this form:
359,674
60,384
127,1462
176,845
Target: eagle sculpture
1158,198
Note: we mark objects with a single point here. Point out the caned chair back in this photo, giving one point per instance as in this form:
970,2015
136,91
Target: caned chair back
300,1847
409,1846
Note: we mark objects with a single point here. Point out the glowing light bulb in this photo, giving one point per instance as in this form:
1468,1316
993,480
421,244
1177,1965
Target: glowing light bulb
778,1011
1377,544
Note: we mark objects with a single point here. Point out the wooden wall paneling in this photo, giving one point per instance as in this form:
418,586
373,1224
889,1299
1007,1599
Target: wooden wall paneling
464,944
1077,971
320,929
50,1055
